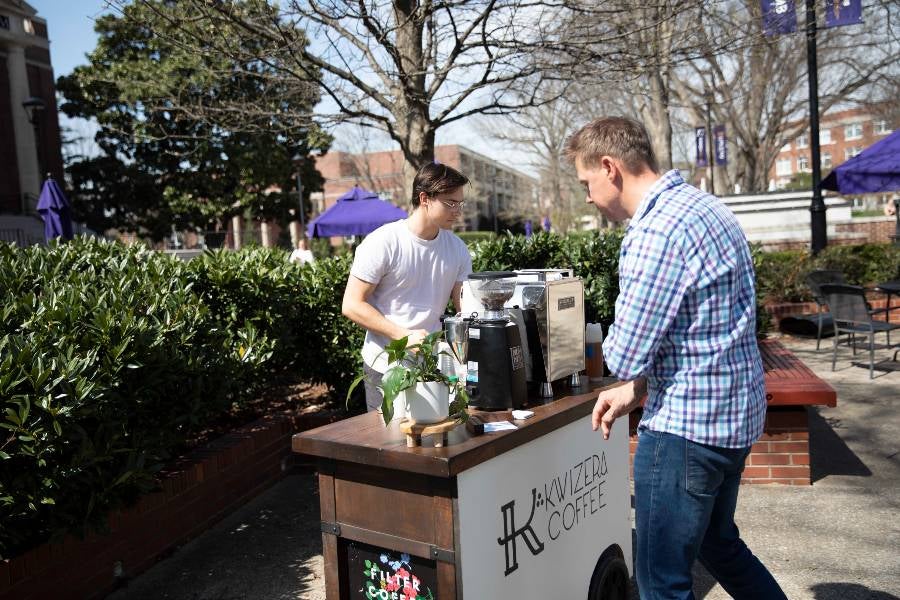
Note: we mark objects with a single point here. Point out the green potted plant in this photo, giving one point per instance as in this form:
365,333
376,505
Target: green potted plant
414,376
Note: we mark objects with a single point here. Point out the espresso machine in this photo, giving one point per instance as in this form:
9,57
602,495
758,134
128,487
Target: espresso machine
548,306
495,363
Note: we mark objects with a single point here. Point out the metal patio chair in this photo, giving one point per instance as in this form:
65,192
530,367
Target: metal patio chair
815,280
851,315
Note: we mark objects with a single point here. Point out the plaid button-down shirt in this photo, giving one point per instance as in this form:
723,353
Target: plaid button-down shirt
686,318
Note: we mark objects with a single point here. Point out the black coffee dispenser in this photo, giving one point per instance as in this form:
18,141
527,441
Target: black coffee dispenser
495,373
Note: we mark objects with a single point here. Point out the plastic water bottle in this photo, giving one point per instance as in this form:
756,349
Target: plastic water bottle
446,361
593,351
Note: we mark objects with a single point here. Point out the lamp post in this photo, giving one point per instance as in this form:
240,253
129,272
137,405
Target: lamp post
34,106
298,159
494,203
818,225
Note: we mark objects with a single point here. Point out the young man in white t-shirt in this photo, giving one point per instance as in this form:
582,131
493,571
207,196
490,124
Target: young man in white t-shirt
404,272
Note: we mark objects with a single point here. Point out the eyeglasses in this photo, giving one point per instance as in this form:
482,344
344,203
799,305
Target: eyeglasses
452,205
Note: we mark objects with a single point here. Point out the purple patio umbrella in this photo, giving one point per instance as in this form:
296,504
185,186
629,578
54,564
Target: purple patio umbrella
357,212
55,210
875,169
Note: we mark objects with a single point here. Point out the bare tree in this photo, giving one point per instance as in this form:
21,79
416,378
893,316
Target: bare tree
882,101
630,48
669,58
542,131
406,68
758,85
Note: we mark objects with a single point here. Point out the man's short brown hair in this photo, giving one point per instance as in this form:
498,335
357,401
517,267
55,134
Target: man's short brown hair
434,179
619,137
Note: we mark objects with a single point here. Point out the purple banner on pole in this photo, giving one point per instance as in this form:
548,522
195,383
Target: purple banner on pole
700,145
779,16
720,143
843,12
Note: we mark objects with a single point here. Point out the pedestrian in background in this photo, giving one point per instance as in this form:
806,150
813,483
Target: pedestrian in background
301,254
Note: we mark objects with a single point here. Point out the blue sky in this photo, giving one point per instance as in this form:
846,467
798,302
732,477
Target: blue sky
70,25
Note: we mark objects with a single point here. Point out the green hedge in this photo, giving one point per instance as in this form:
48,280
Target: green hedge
107,359
112,356
781,276
470,237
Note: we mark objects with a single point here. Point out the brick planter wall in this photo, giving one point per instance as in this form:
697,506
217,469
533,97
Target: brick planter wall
780,456
779,311
877,301
875,229
197,492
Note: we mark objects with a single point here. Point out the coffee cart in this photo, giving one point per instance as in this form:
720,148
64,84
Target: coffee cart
542,511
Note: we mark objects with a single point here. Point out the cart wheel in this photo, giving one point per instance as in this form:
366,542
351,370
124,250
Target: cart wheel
610,580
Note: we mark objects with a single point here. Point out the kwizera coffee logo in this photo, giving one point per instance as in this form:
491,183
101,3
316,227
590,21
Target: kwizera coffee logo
558,506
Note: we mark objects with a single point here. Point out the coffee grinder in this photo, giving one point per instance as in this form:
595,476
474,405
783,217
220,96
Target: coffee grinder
495,364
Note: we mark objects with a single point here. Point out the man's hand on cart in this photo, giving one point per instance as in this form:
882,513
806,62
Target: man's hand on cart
615,402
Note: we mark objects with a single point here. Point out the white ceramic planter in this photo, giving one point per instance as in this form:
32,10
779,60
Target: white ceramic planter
427,403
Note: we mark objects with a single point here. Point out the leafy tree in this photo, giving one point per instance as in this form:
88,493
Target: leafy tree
165,160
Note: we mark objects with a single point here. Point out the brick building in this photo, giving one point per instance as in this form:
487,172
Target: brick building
842,135
495,188
29,126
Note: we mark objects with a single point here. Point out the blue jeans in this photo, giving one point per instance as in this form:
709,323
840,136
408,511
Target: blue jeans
685,496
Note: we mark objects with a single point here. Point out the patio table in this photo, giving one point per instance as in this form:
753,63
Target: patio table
889,288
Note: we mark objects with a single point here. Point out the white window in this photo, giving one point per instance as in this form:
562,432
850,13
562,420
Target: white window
784,166
802,141
826,160
803,164
786,148
853,131
28,26
851,152
881,127
824,137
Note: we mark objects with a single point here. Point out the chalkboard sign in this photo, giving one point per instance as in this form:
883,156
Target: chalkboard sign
379,574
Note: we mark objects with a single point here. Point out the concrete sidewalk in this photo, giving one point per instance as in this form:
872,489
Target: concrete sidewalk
838,539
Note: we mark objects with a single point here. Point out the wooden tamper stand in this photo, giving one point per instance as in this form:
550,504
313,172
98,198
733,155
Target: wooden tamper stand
415,431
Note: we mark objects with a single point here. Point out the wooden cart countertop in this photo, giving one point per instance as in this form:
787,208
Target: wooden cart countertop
364,439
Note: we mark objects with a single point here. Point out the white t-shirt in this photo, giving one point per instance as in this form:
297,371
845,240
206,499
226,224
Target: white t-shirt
413,278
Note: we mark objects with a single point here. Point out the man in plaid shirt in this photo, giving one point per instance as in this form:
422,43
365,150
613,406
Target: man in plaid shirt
684,336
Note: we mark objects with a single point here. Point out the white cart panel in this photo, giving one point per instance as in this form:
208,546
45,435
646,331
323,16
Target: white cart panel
533,521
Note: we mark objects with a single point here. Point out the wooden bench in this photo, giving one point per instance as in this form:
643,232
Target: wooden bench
789,382
782,454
